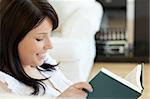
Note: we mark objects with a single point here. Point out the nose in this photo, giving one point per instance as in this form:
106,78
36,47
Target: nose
48,44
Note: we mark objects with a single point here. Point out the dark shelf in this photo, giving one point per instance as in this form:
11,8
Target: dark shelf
122,59
113,3
114,18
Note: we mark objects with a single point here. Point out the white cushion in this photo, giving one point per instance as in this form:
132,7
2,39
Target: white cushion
73,41
65,8
66,49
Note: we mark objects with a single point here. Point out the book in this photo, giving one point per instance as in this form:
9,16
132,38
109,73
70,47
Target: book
107,85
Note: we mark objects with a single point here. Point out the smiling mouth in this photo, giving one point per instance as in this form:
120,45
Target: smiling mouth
41,56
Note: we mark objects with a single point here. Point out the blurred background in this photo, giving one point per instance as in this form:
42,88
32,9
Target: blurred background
124,32
124,39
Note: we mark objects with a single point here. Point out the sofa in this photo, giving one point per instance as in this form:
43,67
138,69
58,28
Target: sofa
73,41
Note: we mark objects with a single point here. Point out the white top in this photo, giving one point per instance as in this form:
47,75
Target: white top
57,79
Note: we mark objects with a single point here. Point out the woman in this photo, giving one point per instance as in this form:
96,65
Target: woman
25,66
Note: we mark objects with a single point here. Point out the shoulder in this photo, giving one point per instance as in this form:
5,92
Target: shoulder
3,84
8,84
8,81
4,77
4,88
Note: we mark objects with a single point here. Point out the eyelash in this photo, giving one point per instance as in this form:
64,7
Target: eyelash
39,39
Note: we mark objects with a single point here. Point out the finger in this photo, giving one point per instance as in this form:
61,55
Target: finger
84,85
83,94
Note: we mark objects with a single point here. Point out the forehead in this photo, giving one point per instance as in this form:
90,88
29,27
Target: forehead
44,27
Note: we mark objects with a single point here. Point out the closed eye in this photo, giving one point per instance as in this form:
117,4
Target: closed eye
38,39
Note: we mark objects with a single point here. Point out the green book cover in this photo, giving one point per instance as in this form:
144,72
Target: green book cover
107,85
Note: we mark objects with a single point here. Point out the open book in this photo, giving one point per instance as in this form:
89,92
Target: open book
107,85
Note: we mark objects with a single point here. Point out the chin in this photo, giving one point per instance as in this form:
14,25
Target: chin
38,63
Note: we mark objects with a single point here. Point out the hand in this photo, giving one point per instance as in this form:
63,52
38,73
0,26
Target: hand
75,91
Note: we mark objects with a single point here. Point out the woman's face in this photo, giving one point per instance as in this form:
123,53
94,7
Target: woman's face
34,46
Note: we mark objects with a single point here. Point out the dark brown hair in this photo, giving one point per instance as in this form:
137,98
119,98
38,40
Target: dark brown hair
17,18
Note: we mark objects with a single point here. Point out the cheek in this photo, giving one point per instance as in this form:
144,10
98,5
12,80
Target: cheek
28,51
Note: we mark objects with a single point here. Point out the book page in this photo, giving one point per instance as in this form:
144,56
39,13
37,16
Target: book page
121,80
134,76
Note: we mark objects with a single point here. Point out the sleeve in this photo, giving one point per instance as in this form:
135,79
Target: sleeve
52,61
66,80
